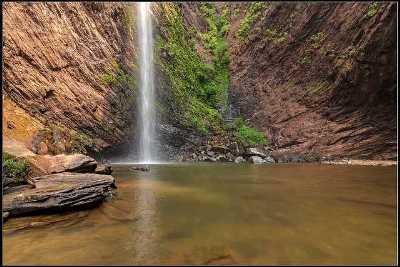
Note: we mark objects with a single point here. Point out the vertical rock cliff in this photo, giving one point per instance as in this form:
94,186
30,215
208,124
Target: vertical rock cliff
68,74
317,76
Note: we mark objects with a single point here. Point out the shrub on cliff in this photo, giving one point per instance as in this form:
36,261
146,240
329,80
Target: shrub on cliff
247,135
251,15
15,171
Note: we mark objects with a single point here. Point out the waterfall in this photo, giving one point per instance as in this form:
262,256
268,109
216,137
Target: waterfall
146,99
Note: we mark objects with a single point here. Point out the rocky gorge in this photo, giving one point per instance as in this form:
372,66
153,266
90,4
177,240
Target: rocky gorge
249,82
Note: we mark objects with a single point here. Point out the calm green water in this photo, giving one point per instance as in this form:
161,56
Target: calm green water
223,214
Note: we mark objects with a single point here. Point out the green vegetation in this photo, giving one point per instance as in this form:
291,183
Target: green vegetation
60,139
372,9
79,143
252,14
248,135
312,44
275,36
15,170
318,87
214,40
197,88
317,39
129,19
118,77
350,52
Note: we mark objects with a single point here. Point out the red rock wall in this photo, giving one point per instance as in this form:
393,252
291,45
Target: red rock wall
328,86
54,55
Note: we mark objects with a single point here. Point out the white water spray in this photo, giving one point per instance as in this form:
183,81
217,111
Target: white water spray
146,105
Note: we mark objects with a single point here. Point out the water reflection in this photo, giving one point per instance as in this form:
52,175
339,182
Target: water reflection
147,235
225,214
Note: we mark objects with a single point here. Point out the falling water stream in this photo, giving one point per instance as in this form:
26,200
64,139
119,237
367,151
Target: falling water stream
146,105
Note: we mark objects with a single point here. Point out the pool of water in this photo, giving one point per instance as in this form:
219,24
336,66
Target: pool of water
222,214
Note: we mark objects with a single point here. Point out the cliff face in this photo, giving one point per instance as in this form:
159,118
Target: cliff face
63,74
317,76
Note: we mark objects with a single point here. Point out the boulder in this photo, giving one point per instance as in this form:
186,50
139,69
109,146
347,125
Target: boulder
234,148
63,163
59,191
42,148
47,164
257,160
252,151
103,169
269,159
239,160
210,153
72,163
210,159
222,158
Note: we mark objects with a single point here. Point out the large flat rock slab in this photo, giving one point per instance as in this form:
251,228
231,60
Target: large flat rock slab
66,163
60,191
48,164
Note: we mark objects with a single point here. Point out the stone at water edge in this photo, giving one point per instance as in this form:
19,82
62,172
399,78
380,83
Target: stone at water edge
103,169
256,160
221,158
210,159
239,159
252,151
269,159
210,153
60,191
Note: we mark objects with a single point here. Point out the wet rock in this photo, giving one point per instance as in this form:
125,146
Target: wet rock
59,191
269,159
257,160
239,159
141,168
252,151
222,158
210,159
5,215
103,169
230,156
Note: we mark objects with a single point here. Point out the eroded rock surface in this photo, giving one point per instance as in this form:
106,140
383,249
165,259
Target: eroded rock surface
59,192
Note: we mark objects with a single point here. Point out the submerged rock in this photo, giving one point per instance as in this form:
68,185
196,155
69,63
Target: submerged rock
59,192
141,168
